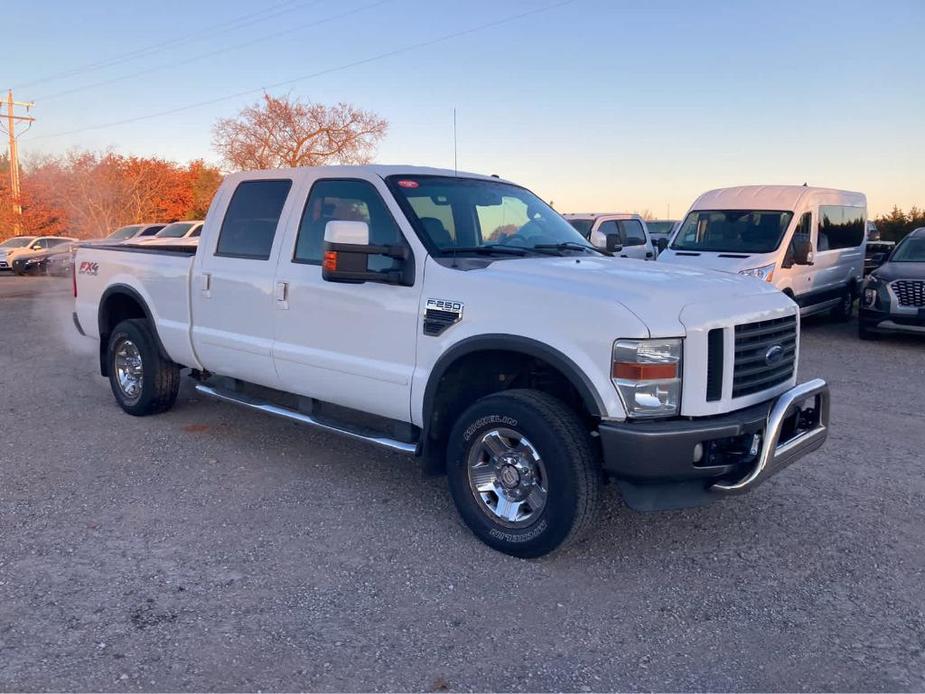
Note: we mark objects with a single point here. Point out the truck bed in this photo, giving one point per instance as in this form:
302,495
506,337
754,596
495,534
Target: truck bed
158,277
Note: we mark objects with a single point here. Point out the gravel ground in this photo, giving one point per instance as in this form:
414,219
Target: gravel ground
214,549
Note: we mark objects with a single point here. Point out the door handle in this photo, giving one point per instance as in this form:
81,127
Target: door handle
206,284
282,295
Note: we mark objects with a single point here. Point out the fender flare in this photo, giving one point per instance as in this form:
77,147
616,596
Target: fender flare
132,293
511,343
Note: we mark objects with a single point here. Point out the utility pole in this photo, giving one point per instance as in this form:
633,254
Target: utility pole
15,189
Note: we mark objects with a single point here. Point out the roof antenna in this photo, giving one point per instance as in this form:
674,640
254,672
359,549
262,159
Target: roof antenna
455,164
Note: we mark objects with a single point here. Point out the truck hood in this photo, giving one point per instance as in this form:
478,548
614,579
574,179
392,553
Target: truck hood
656,293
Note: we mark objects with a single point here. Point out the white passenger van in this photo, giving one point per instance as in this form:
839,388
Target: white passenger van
807,242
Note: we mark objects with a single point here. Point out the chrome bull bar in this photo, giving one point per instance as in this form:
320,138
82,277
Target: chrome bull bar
776,455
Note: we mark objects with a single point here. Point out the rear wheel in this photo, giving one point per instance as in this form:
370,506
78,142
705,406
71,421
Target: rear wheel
142,380
522,473
843,311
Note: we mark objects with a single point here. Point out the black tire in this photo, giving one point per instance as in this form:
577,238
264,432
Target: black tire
866,333
160,378
571,469
843,312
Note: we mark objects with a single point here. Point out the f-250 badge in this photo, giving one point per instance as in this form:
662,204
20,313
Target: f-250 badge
440,314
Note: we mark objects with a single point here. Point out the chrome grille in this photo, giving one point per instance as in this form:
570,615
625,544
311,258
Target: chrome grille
757,366
909,292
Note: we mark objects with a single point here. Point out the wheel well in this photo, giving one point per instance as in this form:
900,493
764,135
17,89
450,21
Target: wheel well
476,374
115,308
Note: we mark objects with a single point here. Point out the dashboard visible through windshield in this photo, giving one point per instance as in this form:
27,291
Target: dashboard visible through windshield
458,216
732,231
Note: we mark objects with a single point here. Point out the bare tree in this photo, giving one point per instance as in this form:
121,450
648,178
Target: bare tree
281,131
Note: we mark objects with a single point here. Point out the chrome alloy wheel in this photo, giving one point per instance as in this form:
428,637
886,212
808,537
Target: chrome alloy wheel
507,477
129,369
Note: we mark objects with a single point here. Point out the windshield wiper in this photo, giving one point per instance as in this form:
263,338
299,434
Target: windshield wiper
488,249
566,246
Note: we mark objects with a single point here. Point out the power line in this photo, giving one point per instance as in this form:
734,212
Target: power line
231,25
209,54
320,73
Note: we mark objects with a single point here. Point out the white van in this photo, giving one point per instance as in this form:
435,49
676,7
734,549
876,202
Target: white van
628,233
807,242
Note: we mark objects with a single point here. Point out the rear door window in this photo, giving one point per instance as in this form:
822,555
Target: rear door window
250,223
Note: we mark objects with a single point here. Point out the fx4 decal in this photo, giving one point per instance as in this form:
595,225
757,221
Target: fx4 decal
88,268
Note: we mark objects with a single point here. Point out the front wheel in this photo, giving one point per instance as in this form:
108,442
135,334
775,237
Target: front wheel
142,380
522,473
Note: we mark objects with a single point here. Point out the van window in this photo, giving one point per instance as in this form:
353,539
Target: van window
250,222
732,231
632,233
840,227
347,201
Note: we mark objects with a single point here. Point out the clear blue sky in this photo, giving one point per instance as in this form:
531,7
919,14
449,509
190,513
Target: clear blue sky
595,105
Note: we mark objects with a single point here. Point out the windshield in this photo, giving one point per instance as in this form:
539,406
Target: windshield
583,226
910,250
465,215
124,233
177,230
732,231
17,242
660,228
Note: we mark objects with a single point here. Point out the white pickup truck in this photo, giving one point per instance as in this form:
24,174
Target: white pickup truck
459,318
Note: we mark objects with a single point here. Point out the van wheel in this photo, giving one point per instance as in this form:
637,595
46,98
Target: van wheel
522,473
843,311
142,380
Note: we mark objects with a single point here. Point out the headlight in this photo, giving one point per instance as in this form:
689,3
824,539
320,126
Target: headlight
647,375
765,272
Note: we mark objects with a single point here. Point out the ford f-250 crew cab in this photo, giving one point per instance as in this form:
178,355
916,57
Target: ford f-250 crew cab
459,318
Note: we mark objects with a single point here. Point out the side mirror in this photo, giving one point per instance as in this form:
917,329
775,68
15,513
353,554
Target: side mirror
661,244
346,256
613,244
877,259
803,252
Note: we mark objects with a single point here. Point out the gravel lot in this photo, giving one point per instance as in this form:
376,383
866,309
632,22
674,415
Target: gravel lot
214,549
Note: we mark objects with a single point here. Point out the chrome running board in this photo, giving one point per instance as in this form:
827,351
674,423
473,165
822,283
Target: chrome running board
301,418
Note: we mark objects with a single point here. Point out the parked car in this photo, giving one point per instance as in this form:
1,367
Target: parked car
807,242
661,230
894,294
628,235
37,245
378,303
128,232
39,262
11,244
873,233
876,253
173,232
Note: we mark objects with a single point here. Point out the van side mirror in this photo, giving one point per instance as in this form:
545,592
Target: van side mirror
802,252
613,245
346,256
661,244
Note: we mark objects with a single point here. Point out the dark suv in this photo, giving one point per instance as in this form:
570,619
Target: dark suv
893,299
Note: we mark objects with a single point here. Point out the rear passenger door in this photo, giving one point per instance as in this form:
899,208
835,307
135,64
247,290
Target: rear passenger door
232,283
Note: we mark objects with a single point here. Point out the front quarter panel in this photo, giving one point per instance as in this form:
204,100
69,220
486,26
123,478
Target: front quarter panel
580,327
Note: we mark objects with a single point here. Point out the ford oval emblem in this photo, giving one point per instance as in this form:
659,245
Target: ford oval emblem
773,355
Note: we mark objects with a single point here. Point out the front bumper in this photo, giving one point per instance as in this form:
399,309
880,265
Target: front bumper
905,320
680,463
